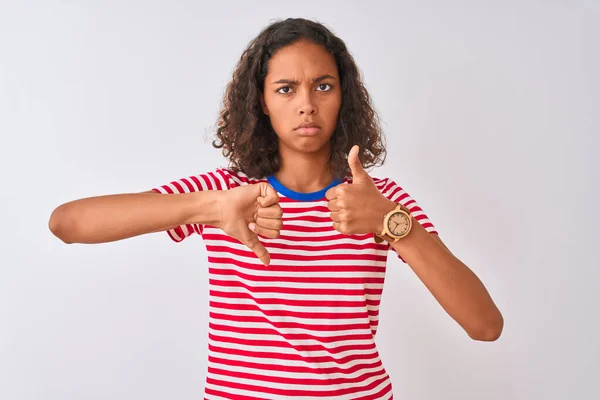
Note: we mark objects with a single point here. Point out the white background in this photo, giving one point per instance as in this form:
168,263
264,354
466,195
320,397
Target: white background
491,116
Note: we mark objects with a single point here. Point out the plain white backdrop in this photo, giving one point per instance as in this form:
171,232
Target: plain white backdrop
490,110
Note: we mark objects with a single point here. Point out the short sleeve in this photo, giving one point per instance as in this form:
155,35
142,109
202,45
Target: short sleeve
397,194
220,179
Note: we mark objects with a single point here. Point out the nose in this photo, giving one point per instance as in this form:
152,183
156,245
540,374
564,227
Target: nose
307,105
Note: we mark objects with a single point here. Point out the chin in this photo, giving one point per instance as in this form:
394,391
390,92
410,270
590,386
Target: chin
311,145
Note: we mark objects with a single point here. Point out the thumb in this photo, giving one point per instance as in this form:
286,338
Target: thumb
252,242
358,172
268,195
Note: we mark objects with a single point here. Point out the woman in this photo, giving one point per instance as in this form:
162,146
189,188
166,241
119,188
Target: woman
297,232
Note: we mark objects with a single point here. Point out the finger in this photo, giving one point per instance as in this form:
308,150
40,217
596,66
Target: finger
257,248
269,196
264,232
331,193
334,205
269,223
335,216
336,225
270,212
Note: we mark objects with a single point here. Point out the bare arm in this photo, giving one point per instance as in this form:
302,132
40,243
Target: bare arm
115,217
457,289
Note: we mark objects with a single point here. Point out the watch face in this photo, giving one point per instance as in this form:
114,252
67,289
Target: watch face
398,224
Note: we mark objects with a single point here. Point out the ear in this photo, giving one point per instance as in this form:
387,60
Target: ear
263,105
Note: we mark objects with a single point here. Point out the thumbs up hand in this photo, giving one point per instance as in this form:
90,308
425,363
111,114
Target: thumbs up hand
358,208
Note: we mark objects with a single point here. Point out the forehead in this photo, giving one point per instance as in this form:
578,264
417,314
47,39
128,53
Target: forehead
302,59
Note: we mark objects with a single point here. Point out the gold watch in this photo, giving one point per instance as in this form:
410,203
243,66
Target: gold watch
396,225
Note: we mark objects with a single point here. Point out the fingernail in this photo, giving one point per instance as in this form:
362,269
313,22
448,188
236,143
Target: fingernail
252,226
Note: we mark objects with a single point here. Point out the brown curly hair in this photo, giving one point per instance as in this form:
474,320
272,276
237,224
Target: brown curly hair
245,133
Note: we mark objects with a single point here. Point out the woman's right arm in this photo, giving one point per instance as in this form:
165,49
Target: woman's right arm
115,217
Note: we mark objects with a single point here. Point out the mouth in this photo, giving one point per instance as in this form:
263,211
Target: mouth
308,129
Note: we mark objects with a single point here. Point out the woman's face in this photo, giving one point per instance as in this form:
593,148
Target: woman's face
302,86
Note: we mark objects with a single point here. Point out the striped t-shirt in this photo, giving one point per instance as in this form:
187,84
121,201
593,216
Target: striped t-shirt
303,327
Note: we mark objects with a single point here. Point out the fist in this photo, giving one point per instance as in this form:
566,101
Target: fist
249,211
358,208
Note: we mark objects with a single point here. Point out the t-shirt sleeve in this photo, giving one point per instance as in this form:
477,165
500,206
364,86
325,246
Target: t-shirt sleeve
397,194
220,179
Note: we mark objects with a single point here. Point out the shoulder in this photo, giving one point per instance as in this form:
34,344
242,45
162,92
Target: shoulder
237,178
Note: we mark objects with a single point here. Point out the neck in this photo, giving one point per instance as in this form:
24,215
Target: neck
304,172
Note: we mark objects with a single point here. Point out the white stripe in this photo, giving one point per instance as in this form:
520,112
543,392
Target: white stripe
309,242
293,363
286,350
212,182
308,296
299,273
253,260
174,188
293,342
289,331
286,307
312,387
315,247
292,375
174,233
287,319
224,185
293,285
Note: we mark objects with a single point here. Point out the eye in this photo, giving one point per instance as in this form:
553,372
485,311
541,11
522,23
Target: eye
324,87
286,91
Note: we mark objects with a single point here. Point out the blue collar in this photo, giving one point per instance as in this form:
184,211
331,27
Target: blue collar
313,196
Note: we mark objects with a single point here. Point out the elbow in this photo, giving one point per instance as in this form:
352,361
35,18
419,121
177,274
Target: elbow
489,332
62,225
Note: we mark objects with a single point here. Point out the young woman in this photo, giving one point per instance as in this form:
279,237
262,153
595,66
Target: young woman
297,232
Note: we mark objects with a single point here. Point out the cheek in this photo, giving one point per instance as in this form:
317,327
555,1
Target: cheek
331,109
278,110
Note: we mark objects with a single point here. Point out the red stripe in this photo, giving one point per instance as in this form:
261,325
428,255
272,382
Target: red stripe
251,353
306,291
289,336
208,185
189,185
296,391
297,279
217,181
294,381
286,345
291,302
288,324
294,257
199,186
330,316
178,187
227,395
292,368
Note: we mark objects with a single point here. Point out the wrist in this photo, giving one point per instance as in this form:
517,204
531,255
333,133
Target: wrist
382,208
207,207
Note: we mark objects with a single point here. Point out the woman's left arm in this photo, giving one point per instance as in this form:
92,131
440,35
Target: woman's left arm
360,207
458,290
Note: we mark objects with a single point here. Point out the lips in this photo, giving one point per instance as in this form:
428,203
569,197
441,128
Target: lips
308,129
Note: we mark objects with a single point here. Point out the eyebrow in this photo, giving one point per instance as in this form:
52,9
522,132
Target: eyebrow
294,82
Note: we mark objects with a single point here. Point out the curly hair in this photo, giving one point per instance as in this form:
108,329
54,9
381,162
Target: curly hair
245,133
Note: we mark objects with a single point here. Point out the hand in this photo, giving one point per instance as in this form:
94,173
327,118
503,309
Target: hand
360,207
249,211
